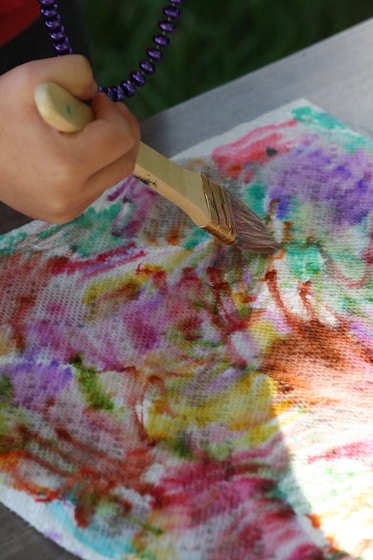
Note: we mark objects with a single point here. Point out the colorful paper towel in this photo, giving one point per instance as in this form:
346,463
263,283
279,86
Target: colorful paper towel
166,398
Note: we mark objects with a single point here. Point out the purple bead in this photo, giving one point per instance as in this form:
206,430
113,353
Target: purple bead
49,9
117,93
161,40
60,45
47,3
138,78
49,12
166,26
172,12
58,36
109,92
63,48
128,88
154,54
53,24
147,66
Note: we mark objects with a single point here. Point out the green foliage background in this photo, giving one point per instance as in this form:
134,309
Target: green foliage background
215,41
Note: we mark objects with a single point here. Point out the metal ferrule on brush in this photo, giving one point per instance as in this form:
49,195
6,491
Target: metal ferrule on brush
222,225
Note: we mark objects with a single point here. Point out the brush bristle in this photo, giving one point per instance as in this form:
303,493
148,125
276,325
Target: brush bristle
251,232
233,223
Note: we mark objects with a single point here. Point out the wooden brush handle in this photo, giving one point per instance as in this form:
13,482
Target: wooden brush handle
60,109
182,187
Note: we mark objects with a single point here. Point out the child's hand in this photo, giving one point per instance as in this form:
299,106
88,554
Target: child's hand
50,175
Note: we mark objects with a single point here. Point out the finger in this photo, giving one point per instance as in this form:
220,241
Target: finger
61,210
72,72
94,188
110,175
109,111
111,135
125,111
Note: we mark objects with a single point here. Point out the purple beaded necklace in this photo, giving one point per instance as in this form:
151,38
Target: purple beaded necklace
56,31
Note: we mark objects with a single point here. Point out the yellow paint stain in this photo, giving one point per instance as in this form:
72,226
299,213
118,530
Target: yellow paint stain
245,407
263,333
161,547
257,436
127,286
110,287
282,406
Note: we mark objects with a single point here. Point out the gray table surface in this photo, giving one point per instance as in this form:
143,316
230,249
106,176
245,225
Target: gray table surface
335,74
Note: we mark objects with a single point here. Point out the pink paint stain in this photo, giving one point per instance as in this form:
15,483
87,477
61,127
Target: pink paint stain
356,450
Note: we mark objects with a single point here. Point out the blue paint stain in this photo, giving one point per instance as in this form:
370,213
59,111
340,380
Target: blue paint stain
113,547
69,110
284,207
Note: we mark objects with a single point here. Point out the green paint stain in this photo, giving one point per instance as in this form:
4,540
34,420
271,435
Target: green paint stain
10,243
90,386
278,493
254,198
10,418
309,115
304,261
340,555
325,122
90,232
181,447
6,390
197,236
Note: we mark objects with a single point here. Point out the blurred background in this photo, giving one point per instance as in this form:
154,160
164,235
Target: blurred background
215,40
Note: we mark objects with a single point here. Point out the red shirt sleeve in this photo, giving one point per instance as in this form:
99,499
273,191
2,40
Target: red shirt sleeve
15,16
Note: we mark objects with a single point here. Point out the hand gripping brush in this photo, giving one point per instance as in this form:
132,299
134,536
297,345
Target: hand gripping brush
208,204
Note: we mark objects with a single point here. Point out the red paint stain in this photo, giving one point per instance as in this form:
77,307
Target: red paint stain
156,274
87,476
253,149
90,266
190,328
173,236
224,313
307,552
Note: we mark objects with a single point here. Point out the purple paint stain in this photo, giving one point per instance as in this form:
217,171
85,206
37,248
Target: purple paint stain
341,173
34,384
146,331
53,535
144,337
362,186
142,200
226,380
325,175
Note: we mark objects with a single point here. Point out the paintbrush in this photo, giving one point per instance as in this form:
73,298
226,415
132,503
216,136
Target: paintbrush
208,204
